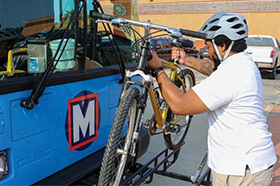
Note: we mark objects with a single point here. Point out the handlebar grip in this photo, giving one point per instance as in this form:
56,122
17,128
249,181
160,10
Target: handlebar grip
193,33
106,17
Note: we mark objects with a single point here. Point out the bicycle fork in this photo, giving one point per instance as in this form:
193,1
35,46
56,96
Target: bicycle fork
138,123
131,138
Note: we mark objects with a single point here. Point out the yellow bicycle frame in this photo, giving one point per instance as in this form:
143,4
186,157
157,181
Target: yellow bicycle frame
161,115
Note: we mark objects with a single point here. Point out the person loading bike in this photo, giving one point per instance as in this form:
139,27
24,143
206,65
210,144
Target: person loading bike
241,151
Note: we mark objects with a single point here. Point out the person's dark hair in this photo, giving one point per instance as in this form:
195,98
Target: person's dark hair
238,46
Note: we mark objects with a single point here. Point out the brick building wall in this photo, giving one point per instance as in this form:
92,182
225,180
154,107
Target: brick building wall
263,16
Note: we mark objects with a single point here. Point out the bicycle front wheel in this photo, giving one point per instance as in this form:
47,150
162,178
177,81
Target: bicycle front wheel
115,158
176,132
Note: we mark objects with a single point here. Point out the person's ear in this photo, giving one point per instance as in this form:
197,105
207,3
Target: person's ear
223,47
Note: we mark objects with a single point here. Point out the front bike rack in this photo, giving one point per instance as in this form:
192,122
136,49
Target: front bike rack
144,173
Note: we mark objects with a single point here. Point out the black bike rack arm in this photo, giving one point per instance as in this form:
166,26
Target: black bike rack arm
143,172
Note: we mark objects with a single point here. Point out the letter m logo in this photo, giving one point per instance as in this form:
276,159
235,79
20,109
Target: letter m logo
82,120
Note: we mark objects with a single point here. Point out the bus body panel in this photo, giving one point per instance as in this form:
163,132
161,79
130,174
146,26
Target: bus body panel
37,140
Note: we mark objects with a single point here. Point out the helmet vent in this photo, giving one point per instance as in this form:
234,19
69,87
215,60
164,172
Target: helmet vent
204,27
214,28
241,32
237,26
245,21
214,20
232,19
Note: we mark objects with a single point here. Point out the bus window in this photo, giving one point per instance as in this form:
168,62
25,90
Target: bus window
32,31
106,52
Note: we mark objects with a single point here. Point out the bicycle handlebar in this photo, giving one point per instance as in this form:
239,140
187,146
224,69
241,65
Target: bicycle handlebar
106,17
175,32
192,33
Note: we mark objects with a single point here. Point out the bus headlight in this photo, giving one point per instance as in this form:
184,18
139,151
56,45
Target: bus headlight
3,164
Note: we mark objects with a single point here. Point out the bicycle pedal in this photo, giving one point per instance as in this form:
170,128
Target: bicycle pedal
172,128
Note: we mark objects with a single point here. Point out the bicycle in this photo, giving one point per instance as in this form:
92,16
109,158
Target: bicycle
122,141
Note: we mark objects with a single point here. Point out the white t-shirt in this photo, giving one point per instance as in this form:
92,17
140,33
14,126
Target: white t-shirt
237,134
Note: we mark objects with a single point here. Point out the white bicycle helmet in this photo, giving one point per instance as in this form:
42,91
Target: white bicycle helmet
231,25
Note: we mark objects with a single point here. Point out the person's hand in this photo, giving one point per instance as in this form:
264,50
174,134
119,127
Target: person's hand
155,62
180,53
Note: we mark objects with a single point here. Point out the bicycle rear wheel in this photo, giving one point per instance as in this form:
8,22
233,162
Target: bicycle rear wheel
173,137
116,154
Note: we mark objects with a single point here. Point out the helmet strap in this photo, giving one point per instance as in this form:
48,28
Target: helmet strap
218,52
228,50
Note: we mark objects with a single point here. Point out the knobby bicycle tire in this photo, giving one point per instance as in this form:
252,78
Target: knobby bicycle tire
174,141
110,162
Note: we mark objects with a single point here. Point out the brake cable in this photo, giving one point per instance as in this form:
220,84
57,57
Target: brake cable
121,63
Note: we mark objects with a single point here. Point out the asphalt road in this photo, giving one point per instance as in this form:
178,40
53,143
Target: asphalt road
195,147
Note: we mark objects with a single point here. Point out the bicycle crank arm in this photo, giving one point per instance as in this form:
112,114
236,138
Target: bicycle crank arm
173,128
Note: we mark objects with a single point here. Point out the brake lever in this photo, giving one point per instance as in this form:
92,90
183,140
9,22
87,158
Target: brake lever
177,44
176,60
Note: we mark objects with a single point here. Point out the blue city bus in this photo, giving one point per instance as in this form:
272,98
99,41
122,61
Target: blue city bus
61,76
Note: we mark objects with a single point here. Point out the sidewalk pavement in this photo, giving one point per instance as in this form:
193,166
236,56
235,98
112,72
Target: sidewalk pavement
274,127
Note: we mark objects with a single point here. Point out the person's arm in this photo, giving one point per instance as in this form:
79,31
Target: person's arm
204,66
178,101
